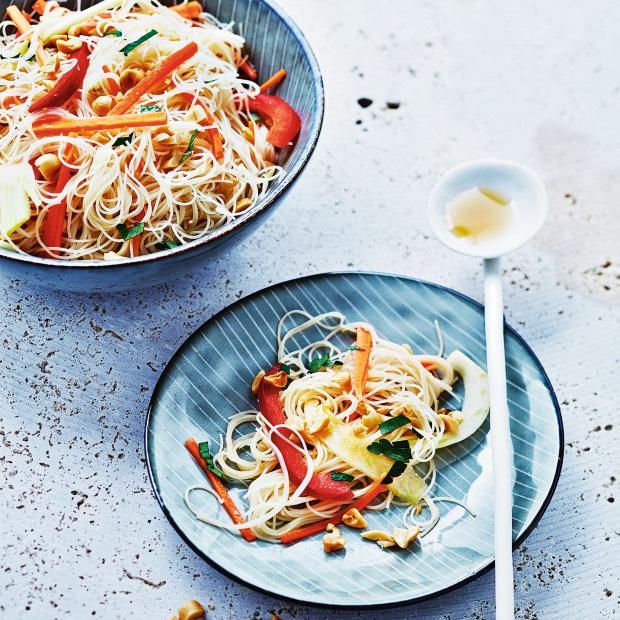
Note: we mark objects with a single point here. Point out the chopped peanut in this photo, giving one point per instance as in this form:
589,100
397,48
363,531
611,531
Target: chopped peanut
130,77
353,518
197,113
378,535
317,419
404,537
248,134
366,422
56,37
68,46
48,165
102,105
450,422
333,541
192,610
257,379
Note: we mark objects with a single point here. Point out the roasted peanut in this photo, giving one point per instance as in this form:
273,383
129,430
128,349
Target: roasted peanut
130,77
48,165
68,46
102,105
353,518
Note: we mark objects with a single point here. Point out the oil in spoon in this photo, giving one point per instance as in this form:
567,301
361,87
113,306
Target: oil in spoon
479,214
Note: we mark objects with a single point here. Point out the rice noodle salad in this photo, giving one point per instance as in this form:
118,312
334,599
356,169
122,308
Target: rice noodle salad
347,422
130,127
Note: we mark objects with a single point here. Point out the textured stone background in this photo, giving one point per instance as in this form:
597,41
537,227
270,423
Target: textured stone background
82,534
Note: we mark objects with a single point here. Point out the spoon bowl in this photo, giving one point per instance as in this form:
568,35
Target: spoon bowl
519,184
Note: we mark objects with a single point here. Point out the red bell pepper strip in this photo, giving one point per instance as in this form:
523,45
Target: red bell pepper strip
67,85
284,123
320,486
55,220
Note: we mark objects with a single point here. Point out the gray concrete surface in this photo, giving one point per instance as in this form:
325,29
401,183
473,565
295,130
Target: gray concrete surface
82,535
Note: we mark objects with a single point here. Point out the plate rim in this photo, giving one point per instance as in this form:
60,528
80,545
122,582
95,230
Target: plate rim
362,606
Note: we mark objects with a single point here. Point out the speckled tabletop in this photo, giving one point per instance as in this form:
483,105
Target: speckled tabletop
82,534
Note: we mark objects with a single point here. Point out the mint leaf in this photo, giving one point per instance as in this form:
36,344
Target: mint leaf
203,450
393,423
132,46
396,470
123,140
341,476
190,147
166,244
397,450
129,233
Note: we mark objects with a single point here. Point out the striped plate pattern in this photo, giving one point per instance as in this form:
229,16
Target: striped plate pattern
209,379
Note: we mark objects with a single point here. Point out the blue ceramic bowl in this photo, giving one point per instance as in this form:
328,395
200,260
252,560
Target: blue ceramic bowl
273,41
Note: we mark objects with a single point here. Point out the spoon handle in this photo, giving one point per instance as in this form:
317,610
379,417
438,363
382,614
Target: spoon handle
500,438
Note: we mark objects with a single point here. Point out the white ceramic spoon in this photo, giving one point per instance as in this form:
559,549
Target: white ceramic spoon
527,193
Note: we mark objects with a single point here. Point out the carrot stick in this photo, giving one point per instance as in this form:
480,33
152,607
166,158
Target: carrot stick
315,528
273,81
192,447
247,68
100,123
39,6
23,27
154,77
189,10
360,361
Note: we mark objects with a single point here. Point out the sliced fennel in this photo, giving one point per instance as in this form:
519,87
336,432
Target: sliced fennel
475,399
343,442
61,25
17,187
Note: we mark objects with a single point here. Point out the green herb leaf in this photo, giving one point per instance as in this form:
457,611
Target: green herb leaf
166,244
285,368
255,117
123,140
130,233
393,423
132,46
190,147
318,362
354,347
203,449
113,33
398,467
341,476
150,108
397,450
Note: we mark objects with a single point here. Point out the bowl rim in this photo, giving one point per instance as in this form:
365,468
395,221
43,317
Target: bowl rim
237,224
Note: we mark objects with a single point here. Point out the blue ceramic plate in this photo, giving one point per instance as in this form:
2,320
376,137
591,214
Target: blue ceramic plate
209,377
